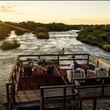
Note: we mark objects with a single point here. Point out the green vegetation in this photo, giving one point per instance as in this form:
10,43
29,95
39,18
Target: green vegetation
10,44
31,25
5,30
42,33
97,35
44,28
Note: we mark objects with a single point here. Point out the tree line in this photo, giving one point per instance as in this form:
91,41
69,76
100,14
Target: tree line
98,35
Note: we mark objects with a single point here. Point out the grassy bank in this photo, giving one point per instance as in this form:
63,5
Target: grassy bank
5,30
97,36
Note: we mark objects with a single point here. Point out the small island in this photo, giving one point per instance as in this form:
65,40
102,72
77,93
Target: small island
11,44
42,33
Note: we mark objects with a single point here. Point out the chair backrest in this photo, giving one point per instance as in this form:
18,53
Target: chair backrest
69,76
91,66
91,73
75,74
27,71
50,70
102,72
78,73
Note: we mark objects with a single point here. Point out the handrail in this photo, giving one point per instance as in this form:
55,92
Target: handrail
97,59
61,86
101,61
64,96
11,73
90,78
50,55
101,85
10,83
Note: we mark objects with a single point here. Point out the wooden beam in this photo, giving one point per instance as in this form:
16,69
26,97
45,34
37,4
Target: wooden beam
94,104
80,105
64,101
61,76
42,99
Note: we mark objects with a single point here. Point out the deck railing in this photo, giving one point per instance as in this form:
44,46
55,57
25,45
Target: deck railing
12,81
67,91
102,83
57,57
98,62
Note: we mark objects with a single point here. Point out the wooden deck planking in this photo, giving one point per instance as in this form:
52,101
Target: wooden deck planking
33,83
107,91
34,95
56,92
36,80
27,96
90,93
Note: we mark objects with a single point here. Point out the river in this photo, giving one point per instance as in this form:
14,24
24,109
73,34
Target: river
31,45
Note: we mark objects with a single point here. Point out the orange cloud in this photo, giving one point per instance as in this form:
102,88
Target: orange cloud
5,9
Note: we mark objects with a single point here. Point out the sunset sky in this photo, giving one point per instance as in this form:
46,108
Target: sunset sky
69,12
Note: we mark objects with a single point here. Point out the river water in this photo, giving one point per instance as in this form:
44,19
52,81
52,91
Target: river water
31,45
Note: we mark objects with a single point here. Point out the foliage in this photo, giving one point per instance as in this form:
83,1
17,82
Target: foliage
42,33
31,25
96,35
106,47
5,30
10,44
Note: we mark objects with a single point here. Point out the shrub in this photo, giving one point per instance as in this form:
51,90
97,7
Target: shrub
43,35
106,47
10,44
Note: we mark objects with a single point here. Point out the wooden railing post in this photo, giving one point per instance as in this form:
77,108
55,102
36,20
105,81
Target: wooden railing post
103,81
42,99
7,92
97,64
88,60
58,59
73,57
13,90
80,104
78,108
109,72
94,104
64,101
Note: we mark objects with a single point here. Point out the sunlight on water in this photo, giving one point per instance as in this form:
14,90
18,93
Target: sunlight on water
12,35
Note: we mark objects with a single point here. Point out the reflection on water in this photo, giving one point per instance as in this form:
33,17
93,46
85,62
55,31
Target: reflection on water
31,45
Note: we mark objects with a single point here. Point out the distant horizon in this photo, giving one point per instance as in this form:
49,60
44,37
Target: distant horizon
56,22
67,12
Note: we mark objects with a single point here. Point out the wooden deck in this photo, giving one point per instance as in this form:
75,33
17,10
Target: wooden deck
23,96
28,89
94,88
34,95
41,79
54,90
